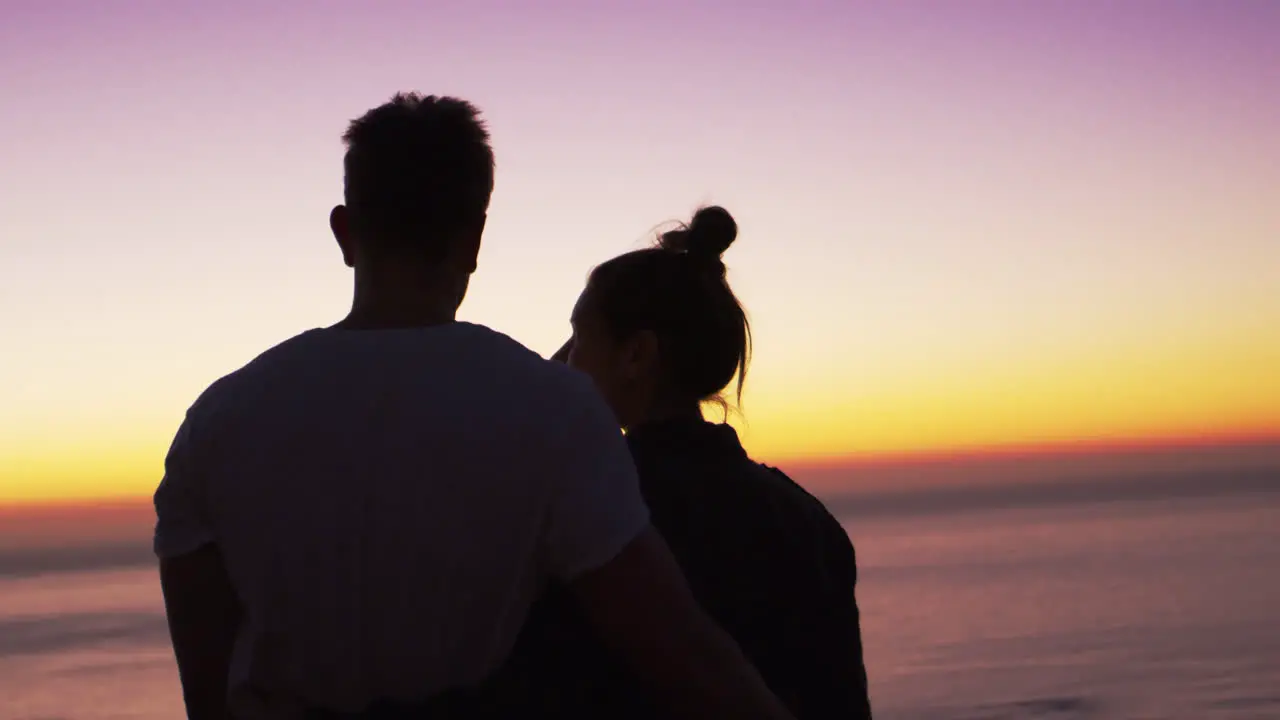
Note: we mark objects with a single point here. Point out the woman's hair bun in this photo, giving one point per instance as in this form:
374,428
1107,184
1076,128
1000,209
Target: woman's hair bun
708,235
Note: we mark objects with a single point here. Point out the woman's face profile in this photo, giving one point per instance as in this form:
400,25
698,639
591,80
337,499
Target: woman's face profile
594,351
589,351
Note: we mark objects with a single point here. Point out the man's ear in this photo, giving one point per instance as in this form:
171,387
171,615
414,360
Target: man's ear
340,224
470,246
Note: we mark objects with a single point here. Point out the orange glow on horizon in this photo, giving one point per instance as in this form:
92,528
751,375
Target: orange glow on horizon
1082,447
126,492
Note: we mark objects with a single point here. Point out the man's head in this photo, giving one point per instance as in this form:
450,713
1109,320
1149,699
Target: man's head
418,177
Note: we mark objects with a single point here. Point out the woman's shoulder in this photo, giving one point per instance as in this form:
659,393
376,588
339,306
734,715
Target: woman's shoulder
782,480
803,500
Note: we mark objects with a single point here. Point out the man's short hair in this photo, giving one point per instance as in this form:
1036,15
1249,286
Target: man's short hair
417,169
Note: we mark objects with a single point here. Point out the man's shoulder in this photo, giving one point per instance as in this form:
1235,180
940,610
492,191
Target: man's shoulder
532,375
491,369
540,397
242,380
560,383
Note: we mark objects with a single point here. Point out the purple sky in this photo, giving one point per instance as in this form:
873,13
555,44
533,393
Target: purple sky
963,223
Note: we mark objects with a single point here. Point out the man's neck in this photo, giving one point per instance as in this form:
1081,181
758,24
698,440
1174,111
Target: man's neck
398,302
371,318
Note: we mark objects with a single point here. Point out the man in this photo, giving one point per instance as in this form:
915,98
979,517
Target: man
365,512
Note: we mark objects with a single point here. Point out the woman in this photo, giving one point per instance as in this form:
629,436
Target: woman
661,333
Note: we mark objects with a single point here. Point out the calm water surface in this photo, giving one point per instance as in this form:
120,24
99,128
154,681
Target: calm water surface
1144,609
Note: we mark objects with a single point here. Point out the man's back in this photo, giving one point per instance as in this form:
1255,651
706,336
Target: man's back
382,499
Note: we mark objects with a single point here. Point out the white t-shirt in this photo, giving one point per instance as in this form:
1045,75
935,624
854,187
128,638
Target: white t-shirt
389,503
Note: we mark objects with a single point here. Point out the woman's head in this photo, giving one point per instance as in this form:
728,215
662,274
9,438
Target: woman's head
659,329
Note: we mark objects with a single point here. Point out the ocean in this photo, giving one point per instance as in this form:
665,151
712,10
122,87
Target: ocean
1153,601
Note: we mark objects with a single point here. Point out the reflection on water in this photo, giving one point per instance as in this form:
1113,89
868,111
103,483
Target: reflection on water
1155,608
1160,609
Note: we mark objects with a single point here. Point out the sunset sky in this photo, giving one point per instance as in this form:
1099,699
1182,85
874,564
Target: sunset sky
963,224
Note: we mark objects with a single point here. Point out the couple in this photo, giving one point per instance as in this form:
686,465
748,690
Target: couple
403,515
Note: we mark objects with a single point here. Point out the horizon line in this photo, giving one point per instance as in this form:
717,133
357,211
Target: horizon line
1042,450
959,456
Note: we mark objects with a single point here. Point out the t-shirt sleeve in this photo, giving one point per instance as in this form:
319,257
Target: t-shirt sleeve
595,508
181,524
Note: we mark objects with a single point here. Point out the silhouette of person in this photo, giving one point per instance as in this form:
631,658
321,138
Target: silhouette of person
661,332
363,515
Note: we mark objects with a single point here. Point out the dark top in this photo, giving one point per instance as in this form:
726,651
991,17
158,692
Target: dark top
763,557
